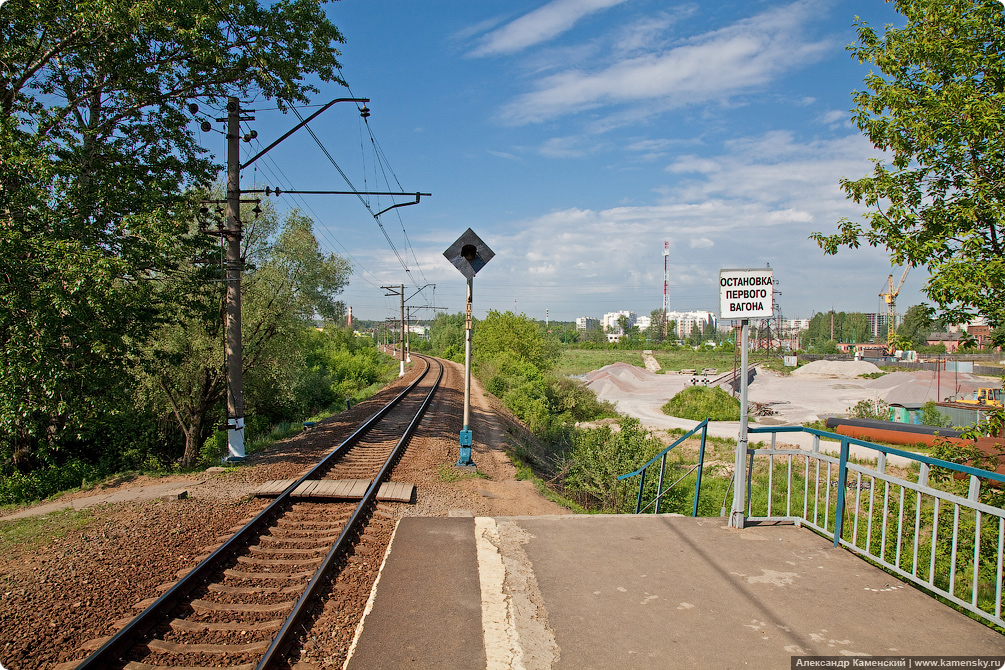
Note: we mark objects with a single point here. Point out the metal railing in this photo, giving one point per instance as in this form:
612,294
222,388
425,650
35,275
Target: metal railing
949,544
662,458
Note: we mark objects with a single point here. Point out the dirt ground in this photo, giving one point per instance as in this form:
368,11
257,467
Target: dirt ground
813,392
71,585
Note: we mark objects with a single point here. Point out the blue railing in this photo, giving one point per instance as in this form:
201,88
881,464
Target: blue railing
946,554
662,457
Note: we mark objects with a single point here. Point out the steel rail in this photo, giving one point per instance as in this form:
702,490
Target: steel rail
110,652
346,537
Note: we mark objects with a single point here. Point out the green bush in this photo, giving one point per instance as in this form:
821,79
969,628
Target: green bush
215,447
870,409
931,416
599,455
17,487
702,402
574,401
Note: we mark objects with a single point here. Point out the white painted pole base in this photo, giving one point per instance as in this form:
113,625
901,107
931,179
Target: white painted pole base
401,371
235,439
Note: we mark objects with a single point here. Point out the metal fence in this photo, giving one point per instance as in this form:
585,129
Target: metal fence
949,543
662,490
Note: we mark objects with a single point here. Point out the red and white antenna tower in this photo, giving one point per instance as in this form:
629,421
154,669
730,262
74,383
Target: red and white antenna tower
666,280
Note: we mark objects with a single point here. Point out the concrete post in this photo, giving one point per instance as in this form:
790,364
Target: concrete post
234,348
737,517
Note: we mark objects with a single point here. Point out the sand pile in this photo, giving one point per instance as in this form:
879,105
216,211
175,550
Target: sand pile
620,376
835,370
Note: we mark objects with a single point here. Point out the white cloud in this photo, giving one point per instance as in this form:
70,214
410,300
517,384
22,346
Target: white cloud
686,164
713,66
540,25
503,154
837,117
756,203
568,147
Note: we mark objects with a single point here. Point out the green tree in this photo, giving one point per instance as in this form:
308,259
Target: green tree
694,339
845,326
916,325
594,335
671,330
446,334
514,337
288,281
936,105
855,328
568,334
657,326
98,156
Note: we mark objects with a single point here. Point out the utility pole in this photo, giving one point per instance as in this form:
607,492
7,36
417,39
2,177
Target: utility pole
399,290
408,333
233,234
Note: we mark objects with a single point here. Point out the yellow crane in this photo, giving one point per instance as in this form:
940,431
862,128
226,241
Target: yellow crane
890,298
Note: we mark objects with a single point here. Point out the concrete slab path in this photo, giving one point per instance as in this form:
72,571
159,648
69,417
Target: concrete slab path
623,591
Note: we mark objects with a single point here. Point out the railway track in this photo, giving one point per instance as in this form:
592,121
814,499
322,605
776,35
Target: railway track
242,605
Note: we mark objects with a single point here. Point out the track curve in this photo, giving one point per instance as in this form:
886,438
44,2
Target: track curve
240,607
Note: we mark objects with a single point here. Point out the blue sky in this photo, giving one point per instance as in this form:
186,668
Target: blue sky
575,136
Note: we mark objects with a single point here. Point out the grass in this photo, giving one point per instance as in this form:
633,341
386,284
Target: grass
581,361
700,402
525,473
448,474
30,533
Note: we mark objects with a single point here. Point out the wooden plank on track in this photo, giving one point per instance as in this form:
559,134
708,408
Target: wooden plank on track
359,488
328,488
303,490
348,489
273,488
395,492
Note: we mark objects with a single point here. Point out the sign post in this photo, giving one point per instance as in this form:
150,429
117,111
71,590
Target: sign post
469,255
744,294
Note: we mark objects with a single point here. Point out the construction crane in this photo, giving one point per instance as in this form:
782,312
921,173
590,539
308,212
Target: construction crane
890,298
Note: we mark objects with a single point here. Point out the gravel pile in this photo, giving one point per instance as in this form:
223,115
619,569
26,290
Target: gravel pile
835,369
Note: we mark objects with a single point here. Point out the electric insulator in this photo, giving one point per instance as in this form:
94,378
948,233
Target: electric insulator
364,112
206,126
231,106
193,108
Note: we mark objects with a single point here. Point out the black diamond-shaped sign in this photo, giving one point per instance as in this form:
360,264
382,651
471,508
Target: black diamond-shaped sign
469,254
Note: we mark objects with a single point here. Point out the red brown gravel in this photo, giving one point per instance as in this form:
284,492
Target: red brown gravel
67,591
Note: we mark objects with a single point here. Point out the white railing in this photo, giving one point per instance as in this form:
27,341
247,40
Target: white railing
949,544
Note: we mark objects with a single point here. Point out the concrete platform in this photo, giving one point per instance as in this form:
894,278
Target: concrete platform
640,592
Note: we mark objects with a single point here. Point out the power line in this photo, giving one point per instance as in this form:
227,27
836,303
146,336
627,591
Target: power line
321,229
358,195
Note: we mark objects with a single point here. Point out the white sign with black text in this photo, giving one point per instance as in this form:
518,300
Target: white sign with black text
745,293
